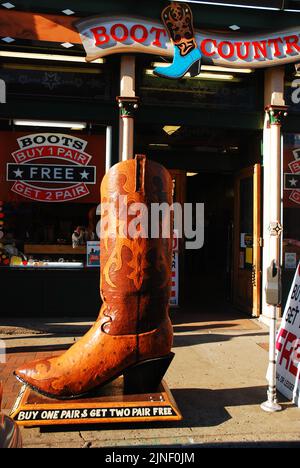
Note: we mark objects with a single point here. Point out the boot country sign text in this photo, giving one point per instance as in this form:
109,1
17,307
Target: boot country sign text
123,34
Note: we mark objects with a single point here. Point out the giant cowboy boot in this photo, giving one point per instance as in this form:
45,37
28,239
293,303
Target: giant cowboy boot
133,333
178,19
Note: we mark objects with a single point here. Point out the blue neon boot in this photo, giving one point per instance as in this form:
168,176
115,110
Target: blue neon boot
178,20
181,65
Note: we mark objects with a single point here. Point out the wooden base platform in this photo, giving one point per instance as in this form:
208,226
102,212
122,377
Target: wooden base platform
109,406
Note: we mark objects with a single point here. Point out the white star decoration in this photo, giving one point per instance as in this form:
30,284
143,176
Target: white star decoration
84,175
293,182
19,173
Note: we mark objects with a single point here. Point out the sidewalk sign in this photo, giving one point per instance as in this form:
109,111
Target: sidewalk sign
288,345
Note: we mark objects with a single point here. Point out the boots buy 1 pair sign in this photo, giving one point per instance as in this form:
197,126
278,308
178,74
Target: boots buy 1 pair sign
51,167
175,37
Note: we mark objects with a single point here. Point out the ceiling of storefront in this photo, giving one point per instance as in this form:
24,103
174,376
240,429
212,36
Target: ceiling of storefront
272,4
207,13
205,147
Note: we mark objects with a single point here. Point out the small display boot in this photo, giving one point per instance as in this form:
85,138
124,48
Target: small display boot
178,19
133,334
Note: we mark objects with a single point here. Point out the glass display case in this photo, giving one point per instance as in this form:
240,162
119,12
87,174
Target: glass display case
41,236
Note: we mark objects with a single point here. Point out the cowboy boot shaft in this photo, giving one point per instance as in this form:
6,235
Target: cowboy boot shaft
178,19
134,325
136,273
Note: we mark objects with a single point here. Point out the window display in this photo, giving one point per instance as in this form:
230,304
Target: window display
50,193
39,236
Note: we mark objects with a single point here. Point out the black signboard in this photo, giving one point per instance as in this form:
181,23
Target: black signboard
51,173
291,181
58,414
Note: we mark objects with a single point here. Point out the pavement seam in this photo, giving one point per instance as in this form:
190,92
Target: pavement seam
87,443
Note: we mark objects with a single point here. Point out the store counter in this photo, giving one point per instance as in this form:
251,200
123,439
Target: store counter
44,291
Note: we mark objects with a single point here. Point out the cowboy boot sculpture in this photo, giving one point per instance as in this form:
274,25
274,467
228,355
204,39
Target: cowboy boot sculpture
133,333
178,20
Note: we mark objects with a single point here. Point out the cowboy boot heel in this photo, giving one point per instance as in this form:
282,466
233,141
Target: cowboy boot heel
195,69
146,376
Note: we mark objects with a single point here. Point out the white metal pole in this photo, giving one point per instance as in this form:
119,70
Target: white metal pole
128,135
276,115
271,405
128,102
108,157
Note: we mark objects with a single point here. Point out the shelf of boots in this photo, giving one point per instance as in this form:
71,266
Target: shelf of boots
54,249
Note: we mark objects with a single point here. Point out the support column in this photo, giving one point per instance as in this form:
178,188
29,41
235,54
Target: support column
275,112
108,157
128,104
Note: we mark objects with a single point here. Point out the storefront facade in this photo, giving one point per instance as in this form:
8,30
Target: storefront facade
224,135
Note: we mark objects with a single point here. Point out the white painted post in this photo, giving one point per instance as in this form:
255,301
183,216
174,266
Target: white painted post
128,103
108,156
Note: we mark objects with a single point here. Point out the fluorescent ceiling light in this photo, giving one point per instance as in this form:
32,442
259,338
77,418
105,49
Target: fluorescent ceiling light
213,68
255,7
159,145
170,129
211,76
226,69
191,174
46,123
203,76
160,64
53,57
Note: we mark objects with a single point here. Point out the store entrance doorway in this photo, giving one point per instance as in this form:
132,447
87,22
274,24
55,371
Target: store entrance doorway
247,240
227,270
208,271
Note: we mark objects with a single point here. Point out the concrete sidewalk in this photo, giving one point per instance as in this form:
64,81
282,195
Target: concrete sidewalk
217,379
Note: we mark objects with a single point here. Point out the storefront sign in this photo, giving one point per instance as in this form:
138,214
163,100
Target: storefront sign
123,34
50,167
292,178
288,345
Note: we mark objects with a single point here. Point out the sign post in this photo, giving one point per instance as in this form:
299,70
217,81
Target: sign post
273,296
